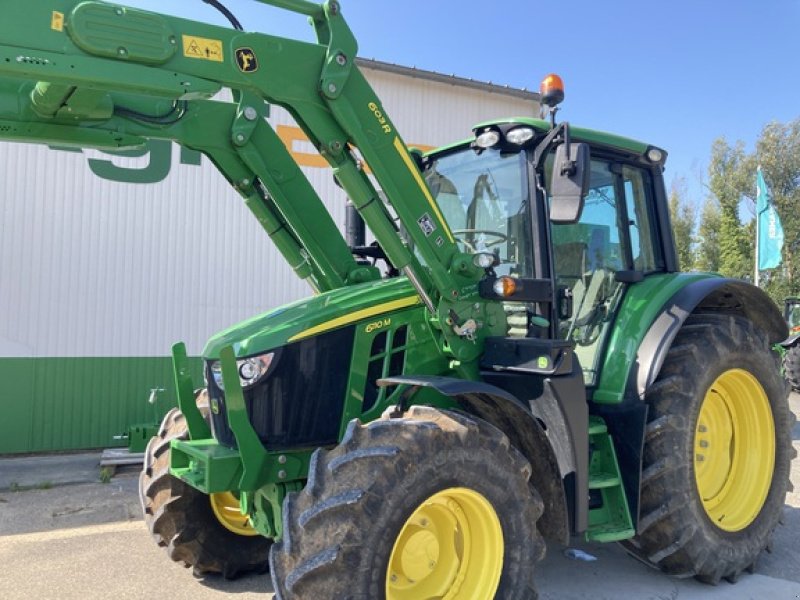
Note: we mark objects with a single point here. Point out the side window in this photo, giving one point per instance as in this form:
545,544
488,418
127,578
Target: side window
614,233
639,205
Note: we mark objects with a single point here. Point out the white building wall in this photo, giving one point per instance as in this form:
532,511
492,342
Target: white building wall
92,267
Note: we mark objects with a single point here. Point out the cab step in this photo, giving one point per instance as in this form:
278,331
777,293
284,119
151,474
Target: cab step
610,521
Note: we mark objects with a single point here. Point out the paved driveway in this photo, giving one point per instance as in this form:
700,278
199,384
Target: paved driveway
86,541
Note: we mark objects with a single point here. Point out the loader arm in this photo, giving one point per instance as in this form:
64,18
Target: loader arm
93,74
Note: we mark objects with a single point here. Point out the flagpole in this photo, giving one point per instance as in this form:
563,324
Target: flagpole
758,231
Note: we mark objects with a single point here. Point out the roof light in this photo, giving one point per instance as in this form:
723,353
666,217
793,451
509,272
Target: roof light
551,90
519,135
487,139
655,155
504,286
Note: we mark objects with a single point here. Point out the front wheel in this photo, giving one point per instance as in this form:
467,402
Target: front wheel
435,504
717,452
205,532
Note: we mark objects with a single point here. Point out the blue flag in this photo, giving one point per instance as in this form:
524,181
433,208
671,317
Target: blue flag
770,230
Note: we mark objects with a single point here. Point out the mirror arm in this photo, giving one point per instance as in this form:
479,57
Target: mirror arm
540,150
568,167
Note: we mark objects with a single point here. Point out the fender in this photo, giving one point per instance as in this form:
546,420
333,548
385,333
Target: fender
790,341
719,294
527,433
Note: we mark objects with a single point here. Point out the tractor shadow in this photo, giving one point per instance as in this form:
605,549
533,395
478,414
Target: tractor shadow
247,584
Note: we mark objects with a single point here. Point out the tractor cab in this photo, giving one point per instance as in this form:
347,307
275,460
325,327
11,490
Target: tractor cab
564,244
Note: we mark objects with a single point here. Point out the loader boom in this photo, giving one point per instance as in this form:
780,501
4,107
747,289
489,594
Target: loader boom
93,74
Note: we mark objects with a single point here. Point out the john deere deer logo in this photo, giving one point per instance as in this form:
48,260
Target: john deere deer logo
246,59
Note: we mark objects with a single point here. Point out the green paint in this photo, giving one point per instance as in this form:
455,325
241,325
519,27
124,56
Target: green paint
642,304
275,328
184,390
56,404
156,170
611,521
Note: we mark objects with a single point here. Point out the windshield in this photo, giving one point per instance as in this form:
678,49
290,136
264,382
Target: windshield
484,199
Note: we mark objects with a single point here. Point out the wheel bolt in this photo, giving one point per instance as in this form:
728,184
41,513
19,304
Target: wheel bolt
699,458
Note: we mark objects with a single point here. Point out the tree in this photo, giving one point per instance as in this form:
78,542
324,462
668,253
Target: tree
725,243
707,252
778,153
730,178
683,215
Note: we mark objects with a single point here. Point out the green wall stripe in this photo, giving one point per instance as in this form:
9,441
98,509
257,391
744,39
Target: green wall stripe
56,404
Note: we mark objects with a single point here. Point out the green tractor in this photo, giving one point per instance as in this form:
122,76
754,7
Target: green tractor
791,345
515,359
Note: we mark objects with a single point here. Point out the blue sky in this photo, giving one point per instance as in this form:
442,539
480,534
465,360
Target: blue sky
676,74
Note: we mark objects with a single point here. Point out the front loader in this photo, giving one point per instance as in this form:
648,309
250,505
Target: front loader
516,358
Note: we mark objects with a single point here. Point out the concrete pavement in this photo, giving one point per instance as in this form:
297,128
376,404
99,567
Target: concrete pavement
87,540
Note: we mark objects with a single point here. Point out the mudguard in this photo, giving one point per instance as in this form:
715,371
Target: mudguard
718,294
512,416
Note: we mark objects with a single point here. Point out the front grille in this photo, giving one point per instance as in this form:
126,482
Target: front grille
301,400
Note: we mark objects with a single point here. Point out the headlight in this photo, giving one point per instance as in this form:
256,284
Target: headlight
519,135
251,370
487,139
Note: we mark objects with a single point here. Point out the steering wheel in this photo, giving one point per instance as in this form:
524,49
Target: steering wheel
500,237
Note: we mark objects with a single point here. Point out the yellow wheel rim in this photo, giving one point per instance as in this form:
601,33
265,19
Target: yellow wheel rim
226,508
734,450
451,547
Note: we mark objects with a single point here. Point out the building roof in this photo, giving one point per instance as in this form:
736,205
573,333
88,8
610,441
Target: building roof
494,88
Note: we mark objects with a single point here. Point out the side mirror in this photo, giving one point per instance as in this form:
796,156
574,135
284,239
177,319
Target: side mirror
569,182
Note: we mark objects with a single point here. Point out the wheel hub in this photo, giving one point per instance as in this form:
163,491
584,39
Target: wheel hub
226,508
734,450
450,547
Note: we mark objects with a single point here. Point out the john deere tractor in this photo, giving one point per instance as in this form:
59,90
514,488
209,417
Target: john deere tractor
791,346
515,359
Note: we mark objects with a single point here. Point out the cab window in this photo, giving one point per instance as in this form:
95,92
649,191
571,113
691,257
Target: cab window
615,233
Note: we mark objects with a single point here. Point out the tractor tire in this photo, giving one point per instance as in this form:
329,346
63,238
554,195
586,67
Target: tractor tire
433,504
717,452
183,520
791,366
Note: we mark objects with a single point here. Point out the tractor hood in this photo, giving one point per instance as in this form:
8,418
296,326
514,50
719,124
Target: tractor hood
312,316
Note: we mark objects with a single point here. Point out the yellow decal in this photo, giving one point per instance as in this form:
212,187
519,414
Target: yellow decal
57,21
357,316
246,59
401,150
379,116
377,325
203,48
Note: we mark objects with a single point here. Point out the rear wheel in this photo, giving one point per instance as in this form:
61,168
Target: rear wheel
205,532
431,505
717,452
791,365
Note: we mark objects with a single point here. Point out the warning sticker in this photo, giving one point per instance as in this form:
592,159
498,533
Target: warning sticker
57,21
426,224
203,48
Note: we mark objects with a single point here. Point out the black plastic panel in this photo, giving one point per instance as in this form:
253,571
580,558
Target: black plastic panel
536,356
